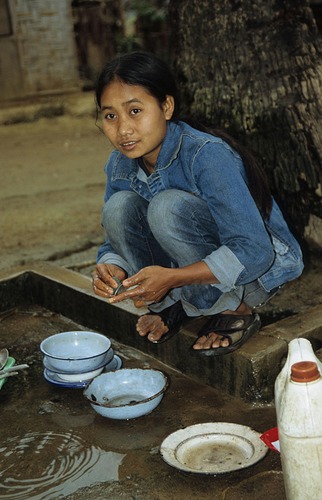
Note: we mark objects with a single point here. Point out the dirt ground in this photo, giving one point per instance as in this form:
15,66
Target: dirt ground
51,194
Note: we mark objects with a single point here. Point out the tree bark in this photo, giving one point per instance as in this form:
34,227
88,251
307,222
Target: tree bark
254,68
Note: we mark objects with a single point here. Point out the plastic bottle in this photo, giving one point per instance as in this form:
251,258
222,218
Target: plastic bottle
298,350
300,432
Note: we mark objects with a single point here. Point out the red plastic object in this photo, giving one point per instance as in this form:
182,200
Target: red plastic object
270,438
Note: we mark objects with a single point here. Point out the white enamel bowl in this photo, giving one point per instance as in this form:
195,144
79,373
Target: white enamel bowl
127,393
70,376
77,351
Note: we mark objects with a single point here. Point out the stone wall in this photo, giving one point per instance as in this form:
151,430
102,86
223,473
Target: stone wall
37,48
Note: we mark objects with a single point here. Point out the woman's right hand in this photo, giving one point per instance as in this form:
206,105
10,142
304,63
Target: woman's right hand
102,279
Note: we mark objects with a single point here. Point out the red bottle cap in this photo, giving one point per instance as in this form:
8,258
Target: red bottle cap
304,371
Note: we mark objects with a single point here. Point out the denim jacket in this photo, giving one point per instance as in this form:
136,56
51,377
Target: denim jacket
209,168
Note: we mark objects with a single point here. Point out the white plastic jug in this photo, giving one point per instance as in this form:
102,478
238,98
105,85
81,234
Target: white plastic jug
300,431
298,350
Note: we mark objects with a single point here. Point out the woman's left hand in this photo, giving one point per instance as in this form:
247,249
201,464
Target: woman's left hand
151,284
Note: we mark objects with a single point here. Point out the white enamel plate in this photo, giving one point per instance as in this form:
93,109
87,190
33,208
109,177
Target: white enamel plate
213,448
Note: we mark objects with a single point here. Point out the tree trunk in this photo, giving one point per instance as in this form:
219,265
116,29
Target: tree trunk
254,68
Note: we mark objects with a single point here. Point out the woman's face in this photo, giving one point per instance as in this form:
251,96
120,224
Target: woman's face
133,120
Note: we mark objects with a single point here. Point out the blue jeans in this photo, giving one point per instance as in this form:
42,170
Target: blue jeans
174,229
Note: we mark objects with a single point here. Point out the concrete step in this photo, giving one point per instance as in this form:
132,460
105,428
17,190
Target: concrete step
249,373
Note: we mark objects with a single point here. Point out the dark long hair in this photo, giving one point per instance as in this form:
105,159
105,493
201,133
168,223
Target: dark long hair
148,71
143,69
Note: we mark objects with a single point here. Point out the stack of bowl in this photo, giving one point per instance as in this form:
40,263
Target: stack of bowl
74,358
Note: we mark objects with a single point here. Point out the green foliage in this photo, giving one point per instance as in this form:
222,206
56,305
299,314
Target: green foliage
153,11
151,31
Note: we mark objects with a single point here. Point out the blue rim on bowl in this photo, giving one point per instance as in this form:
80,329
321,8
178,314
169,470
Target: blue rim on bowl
55,380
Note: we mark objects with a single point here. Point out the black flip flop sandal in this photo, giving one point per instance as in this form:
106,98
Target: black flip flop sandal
172,317
236,328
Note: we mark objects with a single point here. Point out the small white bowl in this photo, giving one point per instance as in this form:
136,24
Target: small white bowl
114,364
127,393
80,377
77,351
70,375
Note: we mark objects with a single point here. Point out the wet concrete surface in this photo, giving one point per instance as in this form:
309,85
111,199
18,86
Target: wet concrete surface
55,446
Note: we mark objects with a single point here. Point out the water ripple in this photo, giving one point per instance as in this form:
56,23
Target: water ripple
52,465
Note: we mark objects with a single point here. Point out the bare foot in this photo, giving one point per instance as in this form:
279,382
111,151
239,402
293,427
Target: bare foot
211,341
151,326
215,340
